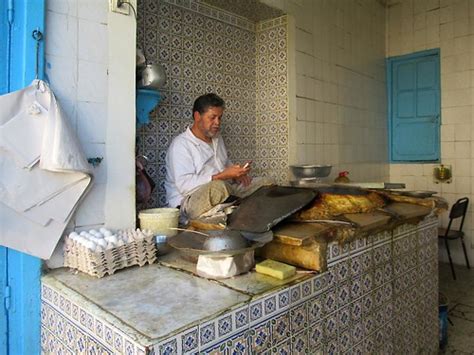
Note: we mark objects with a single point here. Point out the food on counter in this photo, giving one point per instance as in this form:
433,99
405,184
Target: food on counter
275,269
105,239
328,205
311,256
435,203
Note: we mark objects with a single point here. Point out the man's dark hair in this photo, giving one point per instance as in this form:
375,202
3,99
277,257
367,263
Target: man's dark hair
203,102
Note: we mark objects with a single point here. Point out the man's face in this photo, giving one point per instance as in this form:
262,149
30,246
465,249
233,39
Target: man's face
209,123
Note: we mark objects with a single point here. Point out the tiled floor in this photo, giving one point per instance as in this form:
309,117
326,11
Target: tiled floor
461,308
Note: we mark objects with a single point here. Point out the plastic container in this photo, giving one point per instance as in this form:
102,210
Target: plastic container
443,321
160,220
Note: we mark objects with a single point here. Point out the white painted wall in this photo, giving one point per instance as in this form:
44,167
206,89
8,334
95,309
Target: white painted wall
90,61
449,25
340,85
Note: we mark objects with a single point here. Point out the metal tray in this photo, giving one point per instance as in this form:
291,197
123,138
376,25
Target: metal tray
269,205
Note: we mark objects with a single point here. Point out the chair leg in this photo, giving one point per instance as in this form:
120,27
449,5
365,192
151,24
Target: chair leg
450,259
465,253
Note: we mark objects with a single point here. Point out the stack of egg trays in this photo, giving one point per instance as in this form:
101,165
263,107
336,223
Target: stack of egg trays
99,264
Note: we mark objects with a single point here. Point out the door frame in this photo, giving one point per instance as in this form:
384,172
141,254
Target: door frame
20,274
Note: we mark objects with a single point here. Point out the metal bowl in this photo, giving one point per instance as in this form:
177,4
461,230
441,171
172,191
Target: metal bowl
305,171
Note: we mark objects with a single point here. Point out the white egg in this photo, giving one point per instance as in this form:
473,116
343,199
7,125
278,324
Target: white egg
83,233
99,235
73,234
102,243
93,231
107,233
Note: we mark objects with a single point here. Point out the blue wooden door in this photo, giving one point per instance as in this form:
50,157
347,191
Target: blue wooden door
414,105
19,273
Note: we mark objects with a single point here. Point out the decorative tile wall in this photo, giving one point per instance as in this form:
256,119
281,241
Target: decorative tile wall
379,296
67,328
204,49
272,99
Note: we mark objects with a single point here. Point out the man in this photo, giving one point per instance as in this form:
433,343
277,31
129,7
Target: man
199,174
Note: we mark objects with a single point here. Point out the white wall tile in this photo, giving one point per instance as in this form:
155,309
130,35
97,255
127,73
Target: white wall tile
61,35
92,82
94,10
92,121
92,41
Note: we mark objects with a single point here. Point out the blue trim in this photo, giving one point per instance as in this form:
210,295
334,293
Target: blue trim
20,324
389,74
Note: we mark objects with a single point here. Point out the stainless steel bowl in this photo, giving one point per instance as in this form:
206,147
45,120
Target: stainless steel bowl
153,76
306,171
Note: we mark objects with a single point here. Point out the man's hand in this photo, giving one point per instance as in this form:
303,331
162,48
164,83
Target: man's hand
244,180
233,172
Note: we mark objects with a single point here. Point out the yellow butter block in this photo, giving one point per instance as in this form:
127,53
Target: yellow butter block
275,269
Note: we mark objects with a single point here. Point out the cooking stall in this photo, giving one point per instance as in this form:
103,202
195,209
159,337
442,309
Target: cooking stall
366,279
369,285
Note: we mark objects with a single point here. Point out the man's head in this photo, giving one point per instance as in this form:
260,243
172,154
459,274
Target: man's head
207,114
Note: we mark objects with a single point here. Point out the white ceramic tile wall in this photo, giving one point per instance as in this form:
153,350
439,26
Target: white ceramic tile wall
418,25
76,67
340,88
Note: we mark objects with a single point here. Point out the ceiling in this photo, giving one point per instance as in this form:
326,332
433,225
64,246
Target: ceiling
252,10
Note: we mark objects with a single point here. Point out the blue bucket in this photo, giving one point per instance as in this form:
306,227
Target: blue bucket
443,320
147,100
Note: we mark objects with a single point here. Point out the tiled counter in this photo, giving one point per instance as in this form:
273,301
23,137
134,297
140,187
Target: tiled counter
379,295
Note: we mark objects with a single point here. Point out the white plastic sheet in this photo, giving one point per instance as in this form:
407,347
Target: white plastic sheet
43,171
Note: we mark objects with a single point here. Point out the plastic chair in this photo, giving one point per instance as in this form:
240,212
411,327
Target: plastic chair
458,210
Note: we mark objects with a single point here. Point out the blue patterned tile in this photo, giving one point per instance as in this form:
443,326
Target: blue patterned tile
298,318
283,299
319,283
242,318
343,293
306,288
329,301
300,343
169,347
207,333
280,328
224,325
295,294
270,305
256,311
367,282
260,337
239,344
332,347
316,335
118,342
330,326
357,332
283,348
345,340
189,339
356,288
344,316
315,309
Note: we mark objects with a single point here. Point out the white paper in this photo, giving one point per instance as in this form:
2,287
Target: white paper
223,267
37,204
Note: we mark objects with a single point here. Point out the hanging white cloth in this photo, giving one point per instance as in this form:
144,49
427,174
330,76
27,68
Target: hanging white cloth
43,171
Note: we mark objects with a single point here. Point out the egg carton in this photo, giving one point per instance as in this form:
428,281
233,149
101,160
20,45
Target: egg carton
99,264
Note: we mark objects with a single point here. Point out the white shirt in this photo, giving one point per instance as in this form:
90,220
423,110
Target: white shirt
190,163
